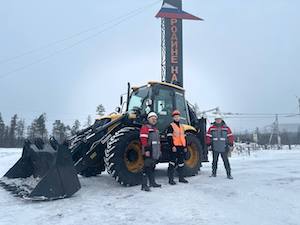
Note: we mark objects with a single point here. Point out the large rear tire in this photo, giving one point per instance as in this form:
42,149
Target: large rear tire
96,165
193,161
123,157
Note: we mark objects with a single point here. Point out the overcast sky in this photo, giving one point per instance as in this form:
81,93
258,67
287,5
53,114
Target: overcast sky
243,58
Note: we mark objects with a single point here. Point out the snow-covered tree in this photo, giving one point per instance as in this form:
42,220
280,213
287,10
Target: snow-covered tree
100,110
88,121
38,129
12,140
59,131
75,128
2,131
298,136
20,132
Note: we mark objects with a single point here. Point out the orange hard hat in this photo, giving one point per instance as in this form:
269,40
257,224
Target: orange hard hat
176,112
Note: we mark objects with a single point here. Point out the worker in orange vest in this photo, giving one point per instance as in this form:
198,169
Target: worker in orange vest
178,143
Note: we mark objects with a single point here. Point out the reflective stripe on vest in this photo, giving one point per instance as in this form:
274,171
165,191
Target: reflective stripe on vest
178,135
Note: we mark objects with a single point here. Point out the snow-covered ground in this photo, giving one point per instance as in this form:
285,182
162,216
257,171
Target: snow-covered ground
265,191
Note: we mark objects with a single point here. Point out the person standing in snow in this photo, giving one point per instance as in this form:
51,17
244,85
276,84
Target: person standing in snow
220,138
178,143
150,140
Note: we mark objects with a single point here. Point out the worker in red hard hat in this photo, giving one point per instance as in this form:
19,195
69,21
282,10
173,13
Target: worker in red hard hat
177,141
150,140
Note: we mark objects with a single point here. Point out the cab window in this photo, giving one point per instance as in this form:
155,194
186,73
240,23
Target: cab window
163,106
138,99
182,107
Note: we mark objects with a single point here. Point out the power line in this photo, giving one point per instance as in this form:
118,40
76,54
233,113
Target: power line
75,44
261,117
259,114
3,61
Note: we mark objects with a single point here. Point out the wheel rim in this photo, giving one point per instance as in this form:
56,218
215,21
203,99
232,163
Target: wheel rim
193,156
133,157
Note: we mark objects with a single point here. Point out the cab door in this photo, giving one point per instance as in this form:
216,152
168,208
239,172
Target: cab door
164,106
181,105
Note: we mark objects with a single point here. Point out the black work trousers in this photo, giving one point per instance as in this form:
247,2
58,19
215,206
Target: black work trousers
176,159
224,156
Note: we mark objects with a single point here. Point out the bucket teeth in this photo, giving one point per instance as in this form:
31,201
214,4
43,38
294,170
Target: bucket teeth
22,192
12,189
16,191
42,173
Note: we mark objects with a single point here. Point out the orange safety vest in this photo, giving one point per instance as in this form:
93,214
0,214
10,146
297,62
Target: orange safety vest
178,135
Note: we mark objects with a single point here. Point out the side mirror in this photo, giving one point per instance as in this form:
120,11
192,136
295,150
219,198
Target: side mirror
118,109
149,102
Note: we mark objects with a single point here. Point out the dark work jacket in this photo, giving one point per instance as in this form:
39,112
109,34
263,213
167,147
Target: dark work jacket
150,140
220,137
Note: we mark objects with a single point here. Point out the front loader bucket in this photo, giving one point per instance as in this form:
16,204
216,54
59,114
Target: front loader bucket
42,173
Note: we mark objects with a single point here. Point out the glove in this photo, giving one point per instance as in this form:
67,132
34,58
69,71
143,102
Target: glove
147,154
174,149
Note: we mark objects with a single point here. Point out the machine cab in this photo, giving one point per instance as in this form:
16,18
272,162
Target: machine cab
162,98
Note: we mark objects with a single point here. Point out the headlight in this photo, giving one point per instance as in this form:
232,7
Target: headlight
132,116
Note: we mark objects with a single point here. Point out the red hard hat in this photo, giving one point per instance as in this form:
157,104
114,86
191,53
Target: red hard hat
176,112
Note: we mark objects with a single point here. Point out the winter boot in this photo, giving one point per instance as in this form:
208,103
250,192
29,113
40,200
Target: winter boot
229,175
171,175
145,186
182,180
214,173
152,180
181,177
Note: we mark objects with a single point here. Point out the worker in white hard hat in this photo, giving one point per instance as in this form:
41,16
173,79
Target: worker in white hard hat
220,138
218,117
150,140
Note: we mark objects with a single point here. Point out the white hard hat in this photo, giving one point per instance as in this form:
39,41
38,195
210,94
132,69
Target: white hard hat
152,114
218,116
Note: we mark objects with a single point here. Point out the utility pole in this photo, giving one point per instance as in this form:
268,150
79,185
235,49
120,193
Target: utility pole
276,131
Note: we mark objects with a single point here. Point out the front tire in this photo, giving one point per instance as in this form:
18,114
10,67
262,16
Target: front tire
123,157
193,161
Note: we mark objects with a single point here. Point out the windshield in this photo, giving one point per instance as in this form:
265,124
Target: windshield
137,100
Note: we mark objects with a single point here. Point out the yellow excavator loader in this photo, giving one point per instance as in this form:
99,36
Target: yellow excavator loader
112,143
